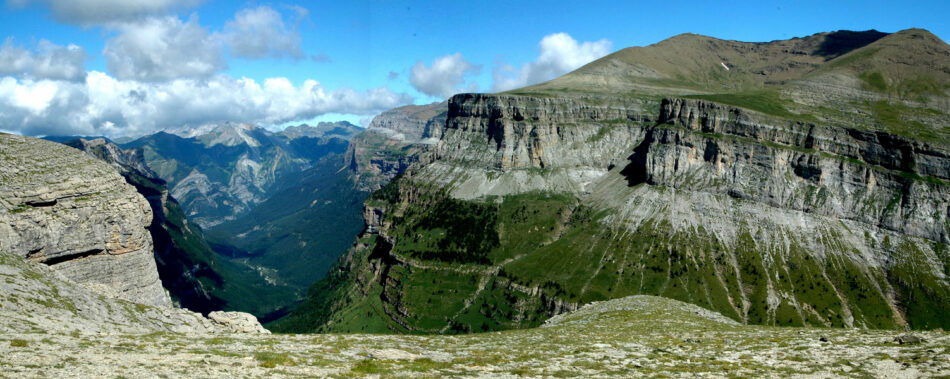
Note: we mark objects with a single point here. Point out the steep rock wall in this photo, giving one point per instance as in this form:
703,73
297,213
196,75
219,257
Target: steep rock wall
77,215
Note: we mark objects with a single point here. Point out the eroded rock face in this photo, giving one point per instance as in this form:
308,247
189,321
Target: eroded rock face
36,297
76,214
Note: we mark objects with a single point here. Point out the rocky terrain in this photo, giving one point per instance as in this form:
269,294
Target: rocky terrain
634,336
722,181
77,215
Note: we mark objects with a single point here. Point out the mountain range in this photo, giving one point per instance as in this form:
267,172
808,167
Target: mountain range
693,207
794,182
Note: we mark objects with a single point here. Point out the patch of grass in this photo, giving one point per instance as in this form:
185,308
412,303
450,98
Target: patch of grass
768,102
370,366
874,81
19,343
269,359
921,178
21,208
898,119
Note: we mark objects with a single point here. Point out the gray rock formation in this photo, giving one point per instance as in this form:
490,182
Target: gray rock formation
35,298
76,214
124,159
412,123
238,322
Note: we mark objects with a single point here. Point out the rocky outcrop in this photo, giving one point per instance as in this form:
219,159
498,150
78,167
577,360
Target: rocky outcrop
411,123
498,132
237,322
79,216
876,148
37,298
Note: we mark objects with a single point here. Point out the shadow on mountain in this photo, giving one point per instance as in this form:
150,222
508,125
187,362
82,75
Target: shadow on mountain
842,42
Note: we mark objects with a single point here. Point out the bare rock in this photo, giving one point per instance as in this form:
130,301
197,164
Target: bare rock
78,215
237,322
908,339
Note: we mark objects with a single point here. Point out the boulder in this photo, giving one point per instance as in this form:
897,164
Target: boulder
237,322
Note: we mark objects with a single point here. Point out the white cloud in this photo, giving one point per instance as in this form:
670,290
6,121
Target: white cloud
558,54
47,61
104,105
99,12
28,105
261,33
163,48
445,77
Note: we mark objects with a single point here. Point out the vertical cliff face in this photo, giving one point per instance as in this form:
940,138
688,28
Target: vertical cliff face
875,178
79,216
191,272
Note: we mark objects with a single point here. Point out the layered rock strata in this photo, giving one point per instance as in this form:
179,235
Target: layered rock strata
78,215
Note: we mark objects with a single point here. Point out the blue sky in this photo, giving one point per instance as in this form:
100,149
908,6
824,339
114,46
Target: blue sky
129,67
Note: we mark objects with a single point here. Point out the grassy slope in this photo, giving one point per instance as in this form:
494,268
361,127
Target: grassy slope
899,82
548,242
630,337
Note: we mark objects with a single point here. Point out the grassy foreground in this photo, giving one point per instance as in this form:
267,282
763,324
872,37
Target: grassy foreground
633,336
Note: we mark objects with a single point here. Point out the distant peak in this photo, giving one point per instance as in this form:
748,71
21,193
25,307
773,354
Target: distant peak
917,33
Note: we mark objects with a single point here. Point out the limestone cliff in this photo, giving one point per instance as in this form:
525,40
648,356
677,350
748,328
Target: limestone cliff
79,216
35,298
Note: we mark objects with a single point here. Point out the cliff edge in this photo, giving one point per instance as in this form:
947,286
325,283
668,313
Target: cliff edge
77,215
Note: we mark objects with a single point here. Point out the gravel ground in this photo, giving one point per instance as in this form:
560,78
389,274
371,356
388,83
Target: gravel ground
634,336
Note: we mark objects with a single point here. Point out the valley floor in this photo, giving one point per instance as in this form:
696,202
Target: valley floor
634,336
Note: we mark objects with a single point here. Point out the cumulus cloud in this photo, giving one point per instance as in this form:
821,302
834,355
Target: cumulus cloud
99,12
261,33
104,105
445,77
46,61
558,54
163,48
